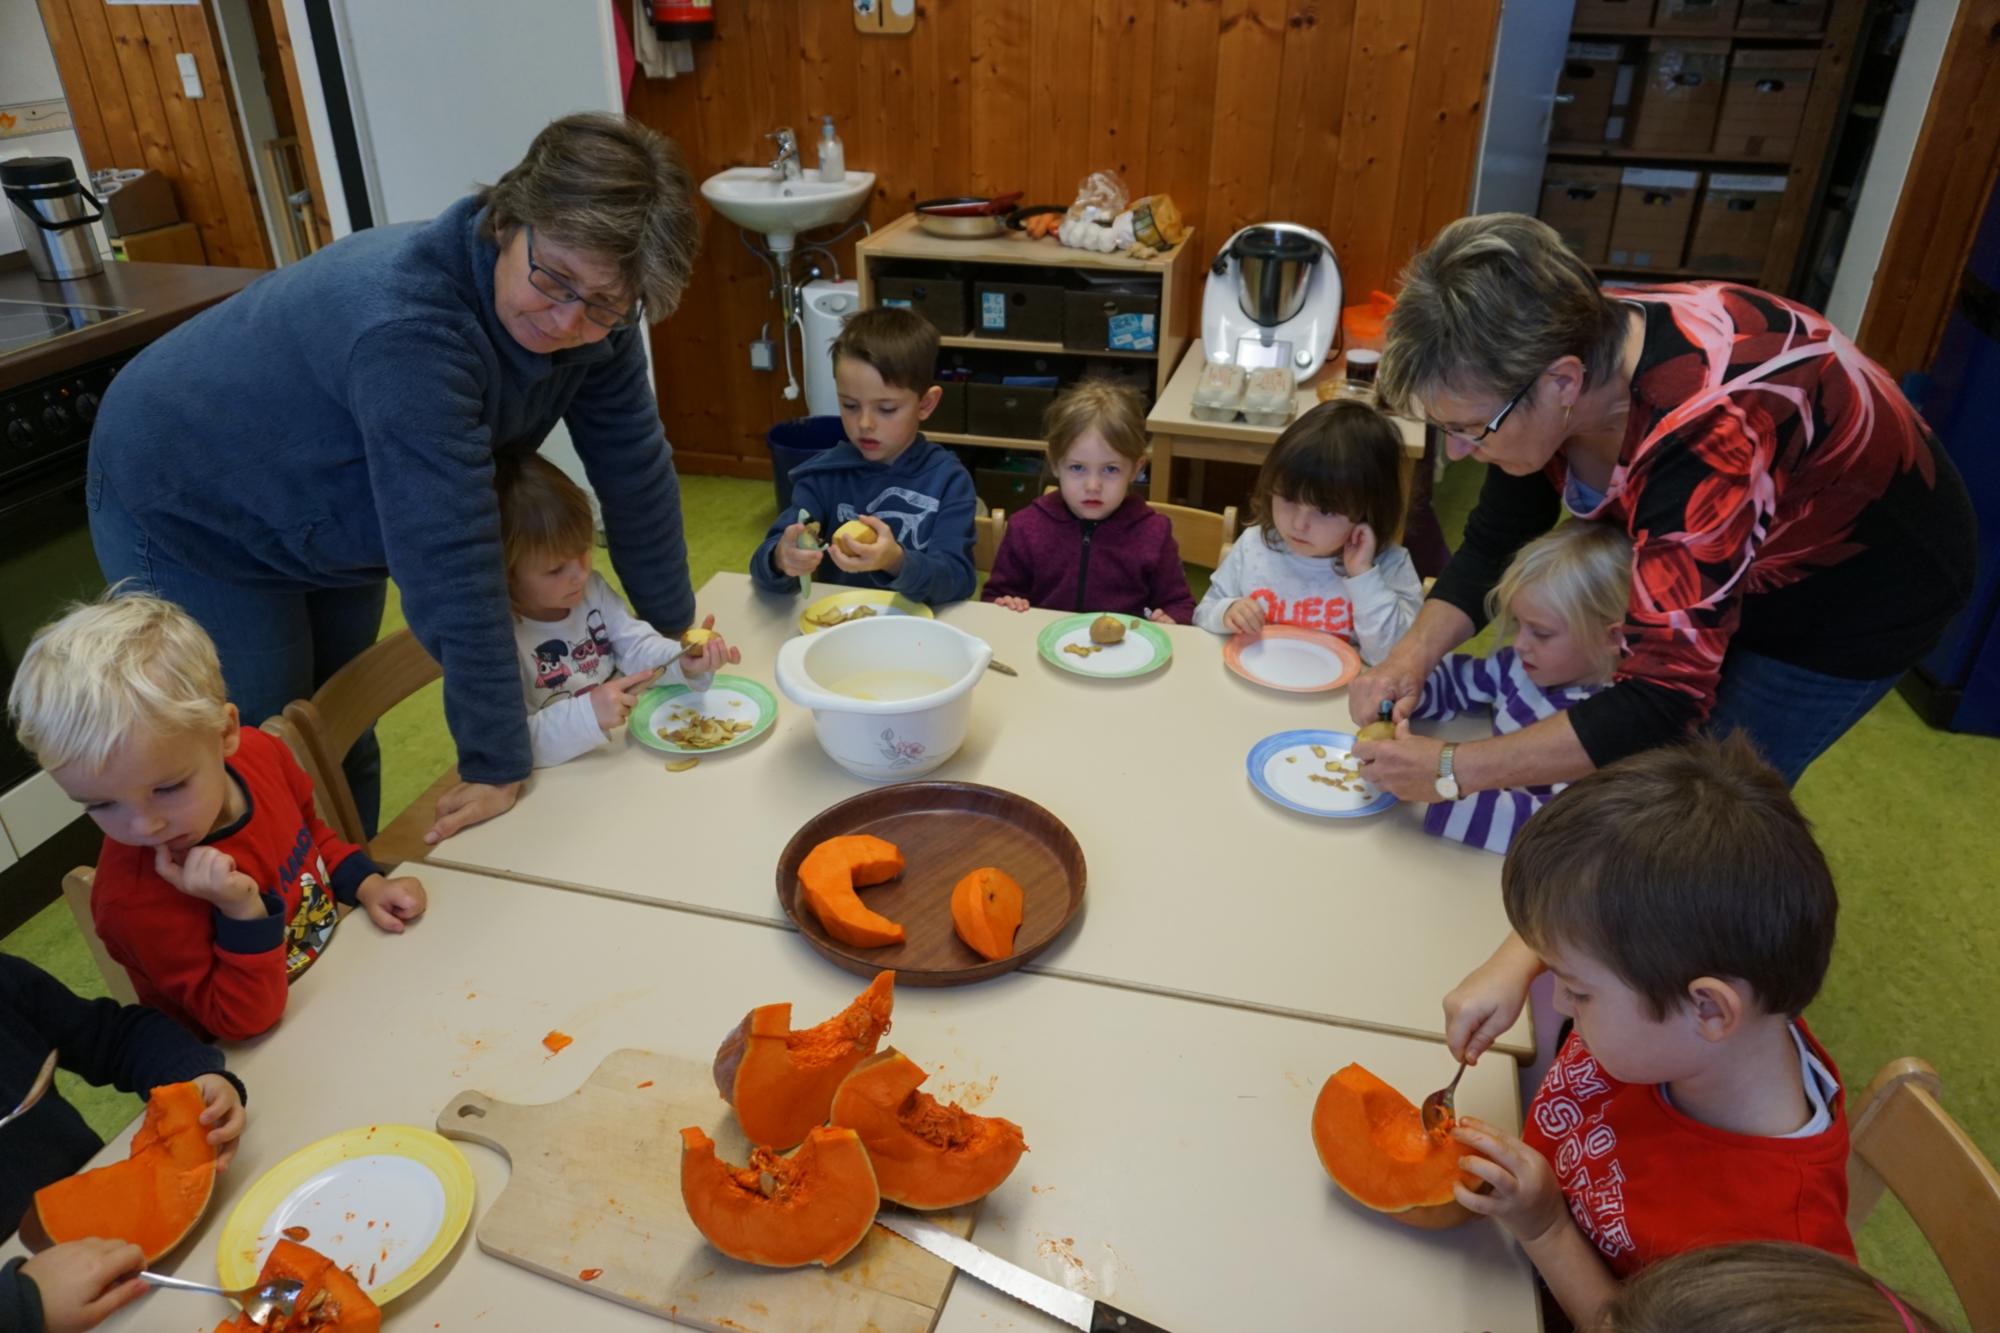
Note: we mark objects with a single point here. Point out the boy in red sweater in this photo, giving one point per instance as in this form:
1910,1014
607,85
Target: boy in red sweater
218,883
1687,915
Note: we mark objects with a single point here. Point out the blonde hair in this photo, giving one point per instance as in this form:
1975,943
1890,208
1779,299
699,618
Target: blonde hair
1115,411
1759,1287
1584,570
125,663
543,514
1488,306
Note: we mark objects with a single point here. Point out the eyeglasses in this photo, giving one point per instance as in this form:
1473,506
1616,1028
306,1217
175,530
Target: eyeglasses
553,287
1498,417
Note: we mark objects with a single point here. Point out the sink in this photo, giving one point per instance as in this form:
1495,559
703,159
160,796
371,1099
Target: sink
752,197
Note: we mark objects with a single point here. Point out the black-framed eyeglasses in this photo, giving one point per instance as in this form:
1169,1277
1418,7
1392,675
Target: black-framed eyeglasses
1498,417
552,286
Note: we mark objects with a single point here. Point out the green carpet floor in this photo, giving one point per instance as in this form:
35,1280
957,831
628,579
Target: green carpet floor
1904,813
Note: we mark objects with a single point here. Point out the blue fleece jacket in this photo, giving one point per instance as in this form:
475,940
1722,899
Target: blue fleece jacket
337,421
924,495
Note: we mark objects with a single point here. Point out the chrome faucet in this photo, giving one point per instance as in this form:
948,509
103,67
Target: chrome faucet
785,166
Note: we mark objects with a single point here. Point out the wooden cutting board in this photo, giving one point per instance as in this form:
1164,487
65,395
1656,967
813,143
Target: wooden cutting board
596,1185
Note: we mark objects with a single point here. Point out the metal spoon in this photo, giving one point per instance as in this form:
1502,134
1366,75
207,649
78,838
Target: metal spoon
35,1091
1438,1106
278,1297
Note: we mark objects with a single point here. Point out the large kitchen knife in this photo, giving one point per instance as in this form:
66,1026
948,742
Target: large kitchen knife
1073,1308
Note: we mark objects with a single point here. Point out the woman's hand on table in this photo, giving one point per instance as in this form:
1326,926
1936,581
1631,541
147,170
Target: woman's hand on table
1245,615
471,803
82,1281
1489,1001
883,555
1012,603
789,558
1406,766
222,1112
390,903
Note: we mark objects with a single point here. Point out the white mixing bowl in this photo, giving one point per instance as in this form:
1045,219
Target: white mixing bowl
890,696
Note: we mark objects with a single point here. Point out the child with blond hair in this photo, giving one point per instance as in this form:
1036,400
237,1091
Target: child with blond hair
1091,545
218,883
1760,1287
584,659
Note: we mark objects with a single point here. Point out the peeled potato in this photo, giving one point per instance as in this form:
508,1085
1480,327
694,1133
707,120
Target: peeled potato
695,638
855,533
1377,731
1107,630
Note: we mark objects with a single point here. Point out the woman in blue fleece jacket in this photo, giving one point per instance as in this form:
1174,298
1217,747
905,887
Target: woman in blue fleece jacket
270,463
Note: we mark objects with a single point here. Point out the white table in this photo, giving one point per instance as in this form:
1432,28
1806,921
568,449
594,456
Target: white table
1169,1139
1198,886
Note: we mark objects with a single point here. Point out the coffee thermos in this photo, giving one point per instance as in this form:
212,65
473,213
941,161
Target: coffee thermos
53,212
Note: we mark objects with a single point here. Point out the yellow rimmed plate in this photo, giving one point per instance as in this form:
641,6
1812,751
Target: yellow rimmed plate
385,1202
885,601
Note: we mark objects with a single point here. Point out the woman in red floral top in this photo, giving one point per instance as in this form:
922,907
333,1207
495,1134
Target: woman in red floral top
1798,538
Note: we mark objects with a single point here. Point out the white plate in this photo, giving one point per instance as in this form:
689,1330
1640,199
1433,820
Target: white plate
1293,664
1130,655
1282,768
402,1199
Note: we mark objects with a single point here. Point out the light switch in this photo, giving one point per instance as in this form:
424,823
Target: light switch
190,75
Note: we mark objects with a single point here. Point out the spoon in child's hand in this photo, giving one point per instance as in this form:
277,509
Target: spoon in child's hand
1438,1108
35,1091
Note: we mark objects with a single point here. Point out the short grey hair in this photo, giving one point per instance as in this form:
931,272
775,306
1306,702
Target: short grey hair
608,185
1488,306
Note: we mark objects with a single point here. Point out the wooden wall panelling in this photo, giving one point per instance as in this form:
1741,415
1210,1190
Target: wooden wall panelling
1952,174
1441,144
200,34
292,118
85,117
999,95
96,58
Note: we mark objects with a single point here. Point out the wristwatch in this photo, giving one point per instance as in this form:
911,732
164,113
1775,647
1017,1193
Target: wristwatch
1447,785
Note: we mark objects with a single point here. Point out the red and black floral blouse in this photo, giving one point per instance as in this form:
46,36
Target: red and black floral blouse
1782,496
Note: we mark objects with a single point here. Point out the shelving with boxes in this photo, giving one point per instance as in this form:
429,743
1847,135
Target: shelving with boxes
1020,320
1689,137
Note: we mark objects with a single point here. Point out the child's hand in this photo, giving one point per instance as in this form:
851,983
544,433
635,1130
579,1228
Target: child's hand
711,657
611,703
789,558
1487,1003
83,1281
1159,617
1357,556
883,554
212,876
391,902
1012,603
224,1111
1245,615
1525,1196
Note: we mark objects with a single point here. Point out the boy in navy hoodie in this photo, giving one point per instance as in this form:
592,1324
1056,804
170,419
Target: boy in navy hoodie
915,498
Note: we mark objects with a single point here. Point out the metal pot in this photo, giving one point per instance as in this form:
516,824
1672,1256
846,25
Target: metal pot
966,217
52,212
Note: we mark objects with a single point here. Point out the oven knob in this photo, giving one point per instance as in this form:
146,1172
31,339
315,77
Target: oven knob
86,407
20,434
55,419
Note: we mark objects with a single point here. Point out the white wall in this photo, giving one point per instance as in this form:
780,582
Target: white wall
1889,164
28,74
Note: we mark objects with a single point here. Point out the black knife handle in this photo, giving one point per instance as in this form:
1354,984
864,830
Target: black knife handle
1107,1318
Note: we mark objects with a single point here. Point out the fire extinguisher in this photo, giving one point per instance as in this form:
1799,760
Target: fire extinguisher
683,20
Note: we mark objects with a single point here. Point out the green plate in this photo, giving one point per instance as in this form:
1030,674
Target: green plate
1145,648
734,698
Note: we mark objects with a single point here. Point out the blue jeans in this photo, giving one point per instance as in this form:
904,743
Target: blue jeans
276,645
1792,715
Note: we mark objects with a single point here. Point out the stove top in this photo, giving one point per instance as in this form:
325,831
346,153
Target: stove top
25,324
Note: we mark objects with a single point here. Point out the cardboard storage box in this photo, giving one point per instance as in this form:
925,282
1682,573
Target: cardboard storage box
1113,319
1028,310
1680,96
1579,199
1764,101
949,415
1781,16
1006,410
1012,488
1732,227
1702,15
1597,79
941,300
1612,16
144,203
1655,208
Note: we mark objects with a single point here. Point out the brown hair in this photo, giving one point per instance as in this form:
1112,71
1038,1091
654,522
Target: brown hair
1764,1286
901,344
609,186
1340,458
1682,862
1489,305
1115,411
543,514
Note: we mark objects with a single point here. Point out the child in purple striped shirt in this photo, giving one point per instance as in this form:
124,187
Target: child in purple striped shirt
1562,602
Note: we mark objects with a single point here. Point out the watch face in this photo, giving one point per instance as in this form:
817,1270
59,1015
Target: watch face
1447,788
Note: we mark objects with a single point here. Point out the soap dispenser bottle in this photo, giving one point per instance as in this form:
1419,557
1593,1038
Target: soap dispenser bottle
832,154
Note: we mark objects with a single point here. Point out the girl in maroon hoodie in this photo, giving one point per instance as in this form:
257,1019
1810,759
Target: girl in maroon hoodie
1090,546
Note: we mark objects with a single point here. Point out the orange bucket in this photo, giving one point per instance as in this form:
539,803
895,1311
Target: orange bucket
1364,324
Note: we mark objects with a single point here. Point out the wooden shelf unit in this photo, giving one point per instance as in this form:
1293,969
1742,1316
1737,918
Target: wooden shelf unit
1039,348
1621,154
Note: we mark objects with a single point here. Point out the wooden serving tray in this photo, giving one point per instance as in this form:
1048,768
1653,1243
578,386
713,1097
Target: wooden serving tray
945,830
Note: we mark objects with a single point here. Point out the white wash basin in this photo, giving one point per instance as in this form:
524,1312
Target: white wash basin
752,197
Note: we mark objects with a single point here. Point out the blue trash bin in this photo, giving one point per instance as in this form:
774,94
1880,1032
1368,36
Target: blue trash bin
794,442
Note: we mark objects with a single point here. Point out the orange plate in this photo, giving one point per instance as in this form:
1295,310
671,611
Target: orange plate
1297,647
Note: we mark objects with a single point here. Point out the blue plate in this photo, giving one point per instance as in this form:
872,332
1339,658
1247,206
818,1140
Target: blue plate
1286,770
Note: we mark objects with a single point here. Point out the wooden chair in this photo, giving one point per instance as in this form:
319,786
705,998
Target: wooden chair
321,730
987,532
1902,1140
1203,536
76,892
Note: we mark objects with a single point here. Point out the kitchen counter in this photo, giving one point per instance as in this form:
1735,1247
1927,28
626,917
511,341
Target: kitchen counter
161,295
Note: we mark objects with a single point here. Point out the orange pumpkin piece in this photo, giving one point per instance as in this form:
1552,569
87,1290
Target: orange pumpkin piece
1372,1141
827,878
782,1082
925,1155
986,912
812,1206
332,1301
155,1196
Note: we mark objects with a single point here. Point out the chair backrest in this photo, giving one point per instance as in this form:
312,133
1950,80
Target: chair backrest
295,740
1203,536
987,532
353,699
1903,1141
76,892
